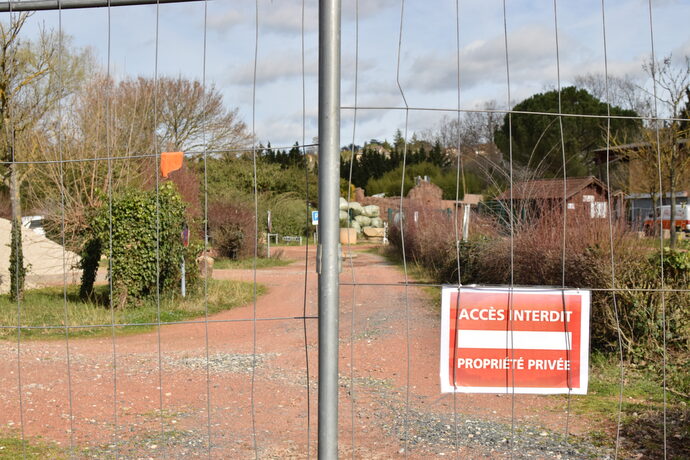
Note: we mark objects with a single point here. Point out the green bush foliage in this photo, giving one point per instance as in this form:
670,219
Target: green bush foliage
446,179
230,178
289,215
146,244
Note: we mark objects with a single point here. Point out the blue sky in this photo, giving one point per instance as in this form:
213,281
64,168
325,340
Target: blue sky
428,66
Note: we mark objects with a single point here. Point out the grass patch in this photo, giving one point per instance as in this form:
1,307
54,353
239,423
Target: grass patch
248,264
44,310
642,389
641,409
415,273
13,448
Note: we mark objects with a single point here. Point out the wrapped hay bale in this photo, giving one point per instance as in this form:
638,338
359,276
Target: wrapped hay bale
363,220
356,226
371,211
356,208
343,204
377,222
342,215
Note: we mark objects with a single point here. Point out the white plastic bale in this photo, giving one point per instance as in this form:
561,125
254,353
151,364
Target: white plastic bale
356,208
377,222
363,220
343,204
371,211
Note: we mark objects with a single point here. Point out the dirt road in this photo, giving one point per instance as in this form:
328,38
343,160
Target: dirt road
390,404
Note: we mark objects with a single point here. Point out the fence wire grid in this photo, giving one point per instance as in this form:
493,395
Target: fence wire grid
197,335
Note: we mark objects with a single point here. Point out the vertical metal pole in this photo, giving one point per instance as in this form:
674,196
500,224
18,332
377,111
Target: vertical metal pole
183,281
329,193
269,228
465,222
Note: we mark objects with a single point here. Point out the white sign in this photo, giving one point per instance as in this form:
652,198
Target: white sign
315,217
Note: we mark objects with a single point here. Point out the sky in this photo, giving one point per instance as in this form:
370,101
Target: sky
381,68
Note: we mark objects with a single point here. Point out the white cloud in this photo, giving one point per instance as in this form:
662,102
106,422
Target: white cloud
273,68
531,55
285,16
226,20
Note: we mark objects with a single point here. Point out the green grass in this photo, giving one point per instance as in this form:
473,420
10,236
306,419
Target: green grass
11,448
652,242
604,389
45,309
641,408
415,274
248,264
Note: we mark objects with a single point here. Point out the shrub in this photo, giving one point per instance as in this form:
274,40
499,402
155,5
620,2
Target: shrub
430,242
537,259
289,215
232,228
187,184
145,237
446,179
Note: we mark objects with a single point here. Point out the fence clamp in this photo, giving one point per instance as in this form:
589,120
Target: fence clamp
318,259
319,254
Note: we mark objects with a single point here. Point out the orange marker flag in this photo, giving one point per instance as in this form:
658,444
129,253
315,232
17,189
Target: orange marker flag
171,161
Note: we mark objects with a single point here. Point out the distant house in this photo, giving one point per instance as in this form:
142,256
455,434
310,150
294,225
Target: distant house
628,171
585,194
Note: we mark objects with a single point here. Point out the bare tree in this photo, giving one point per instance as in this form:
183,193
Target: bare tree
623,92
193,117
105,137
664,147
34,77
473,129
112,135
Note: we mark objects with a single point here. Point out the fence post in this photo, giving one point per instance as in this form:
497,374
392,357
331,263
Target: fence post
329,193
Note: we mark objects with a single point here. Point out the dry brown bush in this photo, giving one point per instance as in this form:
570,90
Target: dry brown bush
232,228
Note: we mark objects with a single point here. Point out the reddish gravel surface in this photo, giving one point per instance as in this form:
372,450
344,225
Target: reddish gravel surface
116,403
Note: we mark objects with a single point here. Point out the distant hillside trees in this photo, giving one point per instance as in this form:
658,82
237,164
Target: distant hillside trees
373,162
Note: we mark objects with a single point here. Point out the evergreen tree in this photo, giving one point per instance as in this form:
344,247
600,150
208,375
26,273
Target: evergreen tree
536,139
437,157
295,156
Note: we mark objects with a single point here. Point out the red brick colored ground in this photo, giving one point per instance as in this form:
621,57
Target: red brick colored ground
117,389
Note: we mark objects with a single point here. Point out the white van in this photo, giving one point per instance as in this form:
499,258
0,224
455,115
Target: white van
663,213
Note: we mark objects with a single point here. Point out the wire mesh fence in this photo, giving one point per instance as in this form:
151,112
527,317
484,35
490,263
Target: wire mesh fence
162,291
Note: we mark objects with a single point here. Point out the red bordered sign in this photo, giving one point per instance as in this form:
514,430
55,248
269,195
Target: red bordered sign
522,340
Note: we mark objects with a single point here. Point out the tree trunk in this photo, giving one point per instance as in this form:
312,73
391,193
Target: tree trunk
17,268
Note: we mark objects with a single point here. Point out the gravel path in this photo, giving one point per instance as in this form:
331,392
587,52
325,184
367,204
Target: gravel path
259,402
